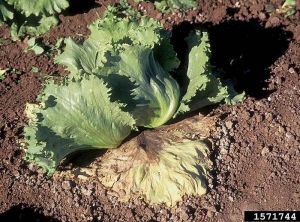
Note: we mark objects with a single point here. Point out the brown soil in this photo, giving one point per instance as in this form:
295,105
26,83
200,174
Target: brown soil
255,146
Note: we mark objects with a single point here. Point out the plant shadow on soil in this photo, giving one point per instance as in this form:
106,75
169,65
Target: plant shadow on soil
21,214
79,7
241,52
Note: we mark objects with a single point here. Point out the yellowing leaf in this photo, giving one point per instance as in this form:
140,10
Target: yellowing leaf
160,166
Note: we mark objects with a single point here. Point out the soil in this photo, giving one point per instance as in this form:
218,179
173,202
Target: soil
255,146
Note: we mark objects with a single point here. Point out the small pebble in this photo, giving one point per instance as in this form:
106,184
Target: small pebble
228,124
262,16
291,70
265,151
66,185
289,136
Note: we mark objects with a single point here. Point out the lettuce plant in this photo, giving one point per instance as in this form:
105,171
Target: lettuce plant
170,5
121,79
30,17
288,8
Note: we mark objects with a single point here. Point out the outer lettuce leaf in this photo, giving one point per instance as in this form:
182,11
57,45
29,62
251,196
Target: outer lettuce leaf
180,169
77,116
112,29
160,165
81,59
111,34
39,7
204,87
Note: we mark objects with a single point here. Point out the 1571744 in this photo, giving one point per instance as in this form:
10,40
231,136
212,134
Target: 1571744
271,216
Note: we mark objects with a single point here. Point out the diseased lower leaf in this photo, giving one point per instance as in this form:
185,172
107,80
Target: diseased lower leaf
161,165
73,117
180,169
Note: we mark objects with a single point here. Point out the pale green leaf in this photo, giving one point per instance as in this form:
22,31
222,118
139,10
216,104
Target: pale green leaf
115,30
77,116
87,58
198,72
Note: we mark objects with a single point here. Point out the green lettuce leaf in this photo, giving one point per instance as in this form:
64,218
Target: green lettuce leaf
168,5
31,18
156,93
204,88
5,12
81,59
39,7
73,117
134,58
32,26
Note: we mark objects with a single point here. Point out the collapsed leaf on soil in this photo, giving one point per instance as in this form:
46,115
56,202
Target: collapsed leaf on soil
161,165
